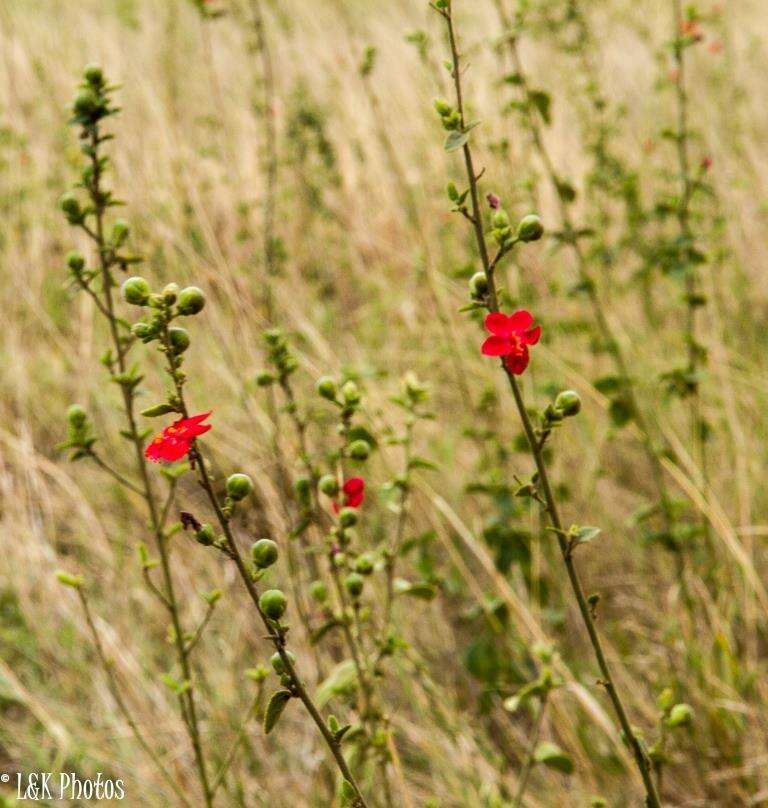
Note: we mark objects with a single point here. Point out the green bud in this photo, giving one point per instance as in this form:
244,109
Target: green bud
142,330
179,339
93,74
354,584
135,291
680,715
478,285
206,535
347,517
171,292
326,387
350,393
264,553
276,661
339,560
75,261
77,416
443,107
359,450
500,219
239,486
120,231
190,301
530,228
666,699
273,603
75,581
302,487
329,485
86,102
264,378
364,564
70,204
318,591
568,402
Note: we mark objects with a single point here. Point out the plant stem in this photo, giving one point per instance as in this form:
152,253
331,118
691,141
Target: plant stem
537,452
525,772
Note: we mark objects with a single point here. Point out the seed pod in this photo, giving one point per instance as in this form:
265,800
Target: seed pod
264,553
190,300
136,291
530,228
239,486
273,603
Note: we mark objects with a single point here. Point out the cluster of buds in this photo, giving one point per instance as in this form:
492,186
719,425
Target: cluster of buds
79,436
566,405
529,228
348,399
449,116
281,358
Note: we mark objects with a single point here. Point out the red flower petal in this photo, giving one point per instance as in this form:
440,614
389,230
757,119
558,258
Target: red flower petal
533,336
498,324
521,320
518,363
496,346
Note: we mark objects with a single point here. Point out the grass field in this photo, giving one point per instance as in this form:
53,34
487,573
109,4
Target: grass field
295,171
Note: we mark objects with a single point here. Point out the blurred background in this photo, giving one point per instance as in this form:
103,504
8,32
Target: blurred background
369,269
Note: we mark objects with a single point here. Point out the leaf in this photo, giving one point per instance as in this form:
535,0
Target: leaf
582,535
418,589
455,140
421,463
348,793
550,754
275,709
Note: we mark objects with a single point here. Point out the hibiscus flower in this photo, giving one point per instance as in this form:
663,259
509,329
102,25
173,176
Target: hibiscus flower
510,337
175,441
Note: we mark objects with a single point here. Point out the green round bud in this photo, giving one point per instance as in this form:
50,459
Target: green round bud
179,339
191,300
351,393
443,107
120,231
530,228
93,74
302,486
329,485
206,535
77,416
359,450
568,402
354,584
239,486
70,204
500,219
318,591
347,517
135,291
276,661
142,330
326,387
75,261
85,103
264,553
273,603
364,564
478,285
171,292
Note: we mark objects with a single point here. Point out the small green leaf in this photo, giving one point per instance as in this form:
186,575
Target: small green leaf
456,140
275,709
680,715
582,535
75,581
551,755
157,410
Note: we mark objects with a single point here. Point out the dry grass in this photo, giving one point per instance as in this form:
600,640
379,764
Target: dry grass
354,297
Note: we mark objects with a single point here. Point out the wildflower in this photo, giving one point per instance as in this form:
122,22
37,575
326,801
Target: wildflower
175,441
510,337
494,201
354,491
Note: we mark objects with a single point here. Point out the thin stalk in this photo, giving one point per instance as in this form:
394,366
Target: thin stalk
187,700
537,452
525,772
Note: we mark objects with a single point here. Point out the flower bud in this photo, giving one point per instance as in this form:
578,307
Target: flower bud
190,301
142,330
680,715
70,205
276,661
75,261
77,416
264,378
329,485
354,583
364,564
530,228
273,603
568,402
135,291
264,553
443,107
179,339
318,591
351,393
347,517
326,387
120,231
206,535
500,219
302,487
171,292
478,285
85,103
239,486
94,75
359,450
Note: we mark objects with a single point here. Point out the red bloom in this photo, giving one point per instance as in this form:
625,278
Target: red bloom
175,441
511,336
354,491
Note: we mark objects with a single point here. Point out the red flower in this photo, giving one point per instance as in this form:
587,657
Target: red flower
175,441
511,336
354,491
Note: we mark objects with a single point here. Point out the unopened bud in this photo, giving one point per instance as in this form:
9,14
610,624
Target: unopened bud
347,517
70,205
359,449
190,301
364,564
179,339
239,486
530,228
136,291
264,553
351,393
568,403
318,591
273,603
93,74
77,416
171,292
276,661
206,535
443,107
354,584
326,387
478,285
75,261
329,485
